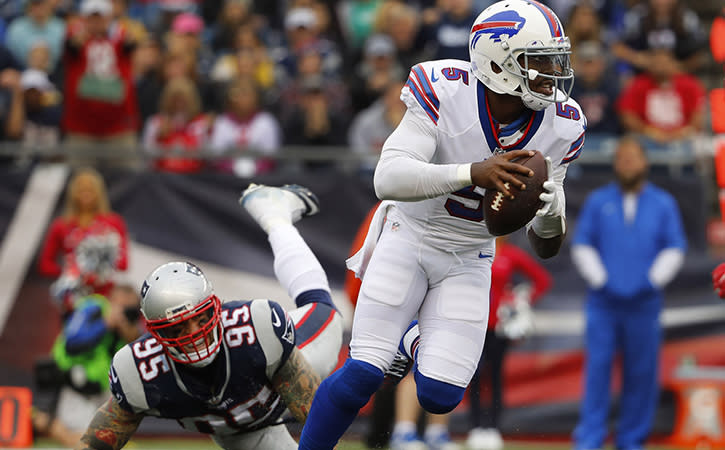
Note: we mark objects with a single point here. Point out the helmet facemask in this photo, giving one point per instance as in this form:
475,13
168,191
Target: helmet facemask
197,348
550,63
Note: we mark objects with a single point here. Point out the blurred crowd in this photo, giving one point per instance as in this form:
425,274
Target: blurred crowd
176,76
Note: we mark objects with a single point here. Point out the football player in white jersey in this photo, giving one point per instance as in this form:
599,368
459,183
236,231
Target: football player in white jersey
428,252
228,369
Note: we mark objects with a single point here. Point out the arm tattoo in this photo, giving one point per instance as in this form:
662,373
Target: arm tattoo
110,428
296,382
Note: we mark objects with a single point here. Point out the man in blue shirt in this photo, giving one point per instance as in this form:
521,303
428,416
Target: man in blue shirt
628,244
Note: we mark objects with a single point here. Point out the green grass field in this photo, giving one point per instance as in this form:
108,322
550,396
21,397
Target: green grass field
201,444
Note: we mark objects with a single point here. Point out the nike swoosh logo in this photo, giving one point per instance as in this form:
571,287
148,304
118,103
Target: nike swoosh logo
276,322
481,255
433,77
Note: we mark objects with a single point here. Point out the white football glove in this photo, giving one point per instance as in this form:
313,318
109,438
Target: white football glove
516,320
552,206
549,221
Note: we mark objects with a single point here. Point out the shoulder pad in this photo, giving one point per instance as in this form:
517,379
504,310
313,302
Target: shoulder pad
126,384
275,333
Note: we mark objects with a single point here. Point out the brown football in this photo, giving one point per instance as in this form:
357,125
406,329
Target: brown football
504,215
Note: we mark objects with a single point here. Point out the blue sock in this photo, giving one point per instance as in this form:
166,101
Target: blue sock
314,296
337,402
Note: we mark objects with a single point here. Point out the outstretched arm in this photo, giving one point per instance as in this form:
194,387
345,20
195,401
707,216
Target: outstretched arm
296,382
110,428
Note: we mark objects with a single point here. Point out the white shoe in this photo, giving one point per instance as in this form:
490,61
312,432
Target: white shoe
484,439
271,206
406,441
441,441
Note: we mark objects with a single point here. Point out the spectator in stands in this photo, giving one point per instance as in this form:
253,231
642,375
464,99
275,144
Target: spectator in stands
234,15
662,23
609,13
122,23
185,36
38,24
148,63
87,244
175,64
82,353
302,30
313,122
628,245
11,112
249,58
181,127
357,19
100,114
42,110
246,126
310,67
584,25
449,34
509,320
596,89
402,23
372,126
663,104
39,58
374,74
11,98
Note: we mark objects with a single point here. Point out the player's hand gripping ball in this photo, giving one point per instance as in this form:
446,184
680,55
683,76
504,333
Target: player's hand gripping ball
505,215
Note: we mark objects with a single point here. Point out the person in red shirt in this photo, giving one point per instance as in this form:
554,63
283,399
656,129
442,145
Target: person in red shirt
180,126
87,244
509,319
100,111
663,104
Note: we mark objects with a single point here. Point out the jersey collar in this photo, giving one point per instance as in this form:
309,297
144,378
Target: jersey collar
529,123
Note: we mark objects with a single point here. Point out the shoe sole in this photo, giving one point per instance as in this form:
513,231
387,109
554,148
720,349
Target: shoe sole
309,199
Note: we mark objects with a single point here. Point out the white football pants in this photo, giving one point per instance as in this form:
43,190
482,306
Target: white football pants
449,292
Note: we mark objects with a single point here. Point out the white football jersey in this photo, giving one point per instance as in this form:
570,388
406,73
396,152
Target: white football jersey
446,95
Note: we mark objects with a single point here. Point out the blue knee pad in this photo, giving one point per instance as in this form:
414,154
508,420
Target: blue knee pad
437,397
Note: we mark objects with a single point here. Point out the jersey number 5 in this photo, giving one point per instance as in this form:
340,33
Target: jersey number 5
459,209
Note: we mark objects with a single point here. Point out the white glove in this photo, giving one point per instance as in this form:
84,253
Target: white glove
516,320
552,206
549,221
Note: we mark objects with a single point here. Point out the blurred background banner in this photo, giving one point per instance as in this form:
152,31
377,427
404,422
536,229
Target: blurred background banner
197,218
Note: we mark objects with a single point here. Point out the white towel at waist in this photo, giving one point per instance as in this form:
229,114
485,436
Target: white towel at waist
358,262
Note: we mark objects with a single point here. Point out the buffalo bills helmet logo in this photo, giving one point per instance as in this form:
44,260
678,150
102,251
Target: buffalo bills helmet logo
507,23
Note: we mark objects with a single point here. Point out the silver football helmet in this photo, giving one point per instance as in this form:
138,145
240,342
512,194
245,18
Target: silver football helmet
183,313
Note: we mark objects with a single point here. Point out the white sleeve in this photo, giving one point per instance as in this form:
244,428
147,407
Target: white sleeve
589,264
665,266
404,171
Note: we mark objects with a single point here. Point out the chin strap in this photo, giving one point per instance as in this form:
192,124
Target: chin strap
535,103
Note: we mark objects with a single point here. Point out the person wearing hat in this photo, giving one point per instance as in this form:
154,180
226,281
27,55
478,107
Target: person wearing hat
303,32
100,112
38,23
375,72
42,110
186,36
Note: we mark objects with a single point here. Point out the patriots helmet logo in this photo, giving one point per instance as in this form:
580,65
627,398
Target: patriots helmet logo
505,23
